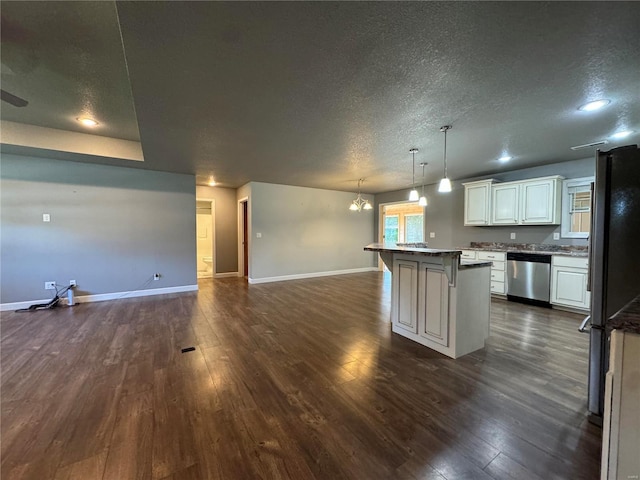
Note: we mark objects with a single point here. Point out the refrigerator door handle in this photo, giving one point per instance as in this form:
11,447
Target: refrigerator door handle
583,326
589,240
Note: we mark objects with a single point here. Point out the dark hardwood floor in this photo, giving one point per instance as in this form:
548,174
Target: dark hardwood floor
290,380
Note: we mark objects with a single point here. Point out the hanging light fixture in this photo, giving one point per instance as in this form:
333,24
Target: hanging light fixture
423,200
445,183
413,194
360,203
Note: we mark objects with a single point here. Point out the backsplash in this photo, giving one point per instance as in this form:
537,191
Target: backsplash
533,247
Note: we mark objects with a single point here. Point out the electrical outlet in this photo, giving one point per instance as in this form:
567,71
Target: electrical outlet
556,236
46,217
513,235
72,283
49,285
432,234
156,276
258,235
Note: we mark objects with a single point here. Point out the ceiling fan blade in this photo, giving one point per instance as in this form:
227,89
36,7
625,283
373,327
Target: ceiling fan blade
12,99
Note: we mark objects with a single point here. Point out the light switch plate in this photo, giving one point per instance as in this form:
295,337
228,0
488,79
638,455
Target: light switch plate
432,234
513,235
258,235
46,217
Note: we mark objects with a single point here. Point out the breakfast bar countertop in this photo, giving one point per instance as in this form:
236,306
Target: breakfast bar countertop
410,249
393,248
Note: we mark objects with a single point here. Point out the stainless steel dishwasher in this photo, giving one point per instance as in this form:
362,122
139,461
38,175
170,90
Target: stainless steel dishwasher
529,278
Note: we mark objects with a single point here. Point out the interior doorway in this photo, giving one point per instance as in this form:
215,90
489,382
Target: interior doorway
243,237
205,238
400,222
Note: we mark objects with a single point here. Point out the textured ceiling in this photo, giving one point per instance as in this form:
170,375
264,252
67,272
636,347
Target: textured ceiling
66,59
320,94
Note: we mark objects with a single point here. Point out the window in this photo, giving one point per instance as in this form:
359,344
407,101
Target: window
413,227
391,229
576,207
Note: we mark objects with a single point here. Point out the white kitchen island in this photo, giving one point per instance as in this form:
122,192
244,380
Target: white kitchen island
437,300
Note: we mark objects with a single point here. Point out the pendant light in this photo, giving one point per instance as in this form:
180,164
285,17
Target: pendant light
360,203
413,194
445,183
423,200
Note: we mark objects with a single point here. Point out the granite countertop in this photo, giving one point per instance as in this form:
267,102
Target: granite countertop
565,250
627,318
393,248
405,249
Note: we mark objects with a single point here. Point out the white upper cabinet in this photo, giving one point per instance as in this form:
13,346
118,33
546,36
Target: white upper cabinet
505,201
477,202
536,201
540,200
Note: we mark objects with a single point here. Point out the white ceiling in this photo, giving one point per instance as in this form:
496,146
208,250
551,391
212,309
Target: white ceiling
320,94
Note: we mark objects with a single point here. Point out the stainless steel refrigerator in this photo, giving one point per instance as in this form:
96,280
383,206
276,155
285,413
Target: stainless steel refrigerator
614,256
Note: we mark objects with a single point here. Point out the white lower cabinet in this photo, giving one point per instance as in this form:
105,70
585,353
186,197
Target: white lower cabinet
498,270
469,255
569,277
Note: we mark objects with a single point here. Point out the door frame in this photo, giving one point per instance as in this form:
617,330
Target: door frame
241,233
381,216
212,202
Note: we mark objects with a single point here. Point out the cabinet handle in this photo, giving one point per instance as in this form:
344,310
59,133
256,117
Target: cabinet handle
491,256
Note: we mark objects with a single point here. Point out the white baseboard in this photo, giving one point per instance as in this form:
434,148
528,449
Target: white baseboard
103,296
311,275
18,305
227,274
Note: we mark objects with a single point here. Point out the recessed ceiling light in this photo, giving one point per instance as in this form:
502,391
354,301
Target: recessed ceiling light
595,105
504,159
87,122
623,134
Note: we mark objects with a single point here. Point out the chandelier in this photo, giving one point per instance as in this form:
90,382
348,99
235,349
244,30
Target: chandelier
360,203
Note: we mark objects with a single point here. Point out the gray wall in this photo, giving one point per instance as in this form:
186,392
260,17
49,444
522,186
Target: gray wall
306,230
226,228
111,228
445,213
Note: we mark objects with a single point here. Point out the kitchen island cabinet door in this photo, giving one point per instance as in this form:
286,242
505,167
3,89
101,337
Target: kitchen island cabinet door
433,307
405,292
